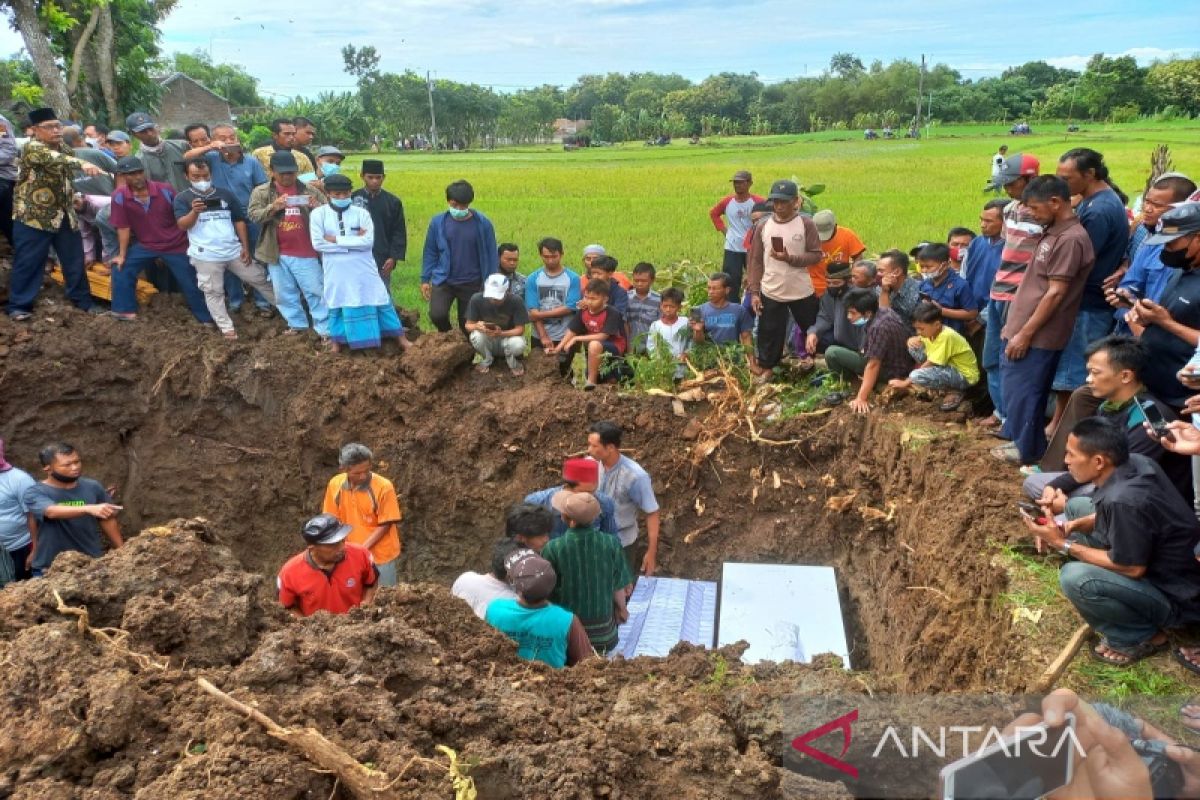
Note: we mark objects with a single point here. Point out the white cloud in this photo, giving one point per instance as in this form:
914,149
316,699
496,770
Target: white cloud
1143,56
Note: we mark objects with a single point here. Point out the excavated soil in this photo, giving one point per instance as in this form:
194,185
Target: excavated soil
245,435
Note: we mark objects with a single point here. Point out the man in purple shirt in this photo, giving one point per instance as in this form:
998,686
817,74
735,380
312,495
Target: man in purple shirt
144,209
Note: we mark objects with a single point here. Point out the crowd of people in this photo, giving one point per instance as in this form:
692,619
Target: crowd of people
1075,317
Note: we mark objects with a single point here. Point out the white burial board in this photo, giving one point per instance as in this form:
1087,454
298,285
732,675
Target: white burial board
785,612
664,612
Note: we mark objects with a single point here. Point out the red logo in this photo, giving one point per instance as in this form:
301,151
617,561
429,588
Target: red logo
801,743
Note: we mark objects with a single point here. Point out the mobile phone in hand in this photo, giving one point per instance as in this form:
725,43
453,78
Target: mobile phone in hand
1034,512
777,244
1155,420
1032,762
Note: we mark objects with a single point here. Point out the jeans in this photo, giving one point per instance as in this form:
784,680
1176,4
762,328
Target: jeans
235,292
1036,483
511,347
388,575
1125,611
442,298
213,279
939,377
997,315
773,325
31,246
845,362
1026,387
296,280
124,281
734,265
1090,325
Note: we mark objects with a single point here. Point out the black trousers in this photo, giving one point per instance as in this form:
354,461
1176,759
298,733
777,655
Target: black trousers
772,325
6,209
442,298
18,557
734,266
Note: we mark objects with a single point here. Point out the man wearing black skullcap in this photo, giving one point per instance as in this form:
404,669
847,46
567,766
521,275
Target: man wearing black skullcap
387,212
44,215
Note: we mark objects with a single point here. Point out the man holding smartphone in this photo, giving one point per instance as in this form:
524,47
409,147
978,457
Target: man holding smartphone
496,323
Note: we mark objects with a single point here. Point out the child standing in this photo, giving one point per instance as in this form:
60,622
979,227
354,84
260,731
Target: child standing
643,306
670,330
946,362
598,327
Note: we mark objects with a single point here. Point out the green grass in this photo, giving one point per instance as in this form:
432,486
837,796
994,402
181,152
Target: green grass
651,203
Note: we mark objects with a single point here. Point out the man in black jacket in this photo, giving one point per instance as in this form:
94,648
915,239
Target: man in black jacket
387,212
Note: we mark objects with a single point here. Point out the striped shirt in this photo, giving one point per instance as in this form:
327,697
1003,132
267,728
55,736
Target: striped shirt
1021,236
591,566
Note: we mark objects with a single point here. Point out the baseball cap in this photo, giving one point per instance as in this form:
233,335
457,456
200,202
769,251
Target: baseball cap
784,190
826,224
580,507
284,161
759,208
742,175
129,164
139,121
325,529
532,577
581,470
117,136
1014,167
329,150
495,287
1182,220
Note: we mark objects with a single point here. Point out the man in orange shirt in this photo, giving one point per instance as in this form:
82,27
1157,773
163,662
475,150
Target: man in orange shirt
367,503
839,243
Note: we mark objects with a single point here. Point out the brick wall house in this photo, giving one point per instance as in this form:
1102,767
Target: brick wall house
185,101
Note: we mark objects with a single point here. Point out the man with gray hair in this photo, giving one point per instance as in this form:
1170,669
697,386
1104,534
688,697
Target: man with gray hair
366,502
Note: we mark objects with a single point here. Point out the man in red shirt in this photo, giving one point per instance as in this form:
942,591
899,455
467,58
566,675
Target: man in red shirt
329,575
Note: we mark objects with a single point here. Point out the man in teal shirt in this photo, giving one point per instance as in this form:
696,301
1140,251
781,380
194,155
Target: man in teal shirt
543,632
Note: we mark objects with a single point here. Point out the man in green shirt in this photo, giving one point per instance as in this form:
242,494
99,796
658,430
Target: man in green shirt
592,572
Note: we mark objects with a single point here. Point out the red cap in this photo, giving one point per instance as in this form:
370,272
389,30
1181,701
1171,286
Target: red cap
581,470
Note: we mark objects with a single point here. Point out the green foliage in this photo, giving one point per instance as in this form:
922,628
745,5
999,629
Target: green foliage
28,93
231,81
809,393
57,21
653,370
257,136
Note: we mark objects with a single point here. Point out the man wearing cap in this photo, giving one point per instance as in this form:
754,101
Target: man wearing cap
144,210
119,144
44,215
460,252
1170,329
283,140
328,162
580,476
543,631
218,244
330,574
832,327
736,209
593,575
162,158
783,248
282,207
387,212
478,589
361,314
366,502
18,532
838,243
496,324
1021,235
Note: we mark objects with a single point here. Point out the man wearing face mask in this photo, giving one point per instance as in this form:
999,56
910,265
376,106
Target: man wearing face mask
1171,329
162,158
329,162
460,252
1147,276
832,327
945,288
1041,317
217,242
70,510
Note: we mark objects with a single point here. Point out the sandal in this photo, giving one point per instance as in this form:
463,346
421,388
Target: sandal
1190,719
518,371
951,401
990,423
1184,661
483,369
20,316
1132,655
230,335
117,315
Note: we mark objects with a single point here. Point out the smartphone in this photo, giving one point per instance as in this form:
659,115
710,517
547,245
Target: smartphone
1032,763
1126,296
491,326
777,244
212,203
1156,421
1034,512
923,296
296,200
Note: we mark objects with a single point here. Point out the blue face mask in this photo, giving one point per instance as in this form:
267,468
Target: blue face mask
860,322
329,168
340,202
459,213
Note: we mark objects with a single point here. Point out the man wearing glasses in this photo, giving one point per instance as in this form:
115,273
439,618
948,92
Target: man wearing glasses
44,215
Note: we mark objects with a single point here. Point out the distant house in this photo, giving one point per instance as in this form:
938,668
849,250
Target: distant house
185,101
569,127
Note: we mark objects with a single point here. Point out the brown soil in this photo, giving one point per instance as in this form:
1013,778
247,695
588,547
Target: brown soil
246,435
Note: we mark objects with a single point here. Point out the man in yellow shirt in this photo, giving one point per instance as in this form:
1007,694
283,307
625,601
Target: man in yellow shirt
945,360
367,503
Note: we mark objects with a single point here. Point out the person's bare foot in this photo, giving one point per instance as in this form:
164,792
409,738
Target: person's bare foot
518,370
483,369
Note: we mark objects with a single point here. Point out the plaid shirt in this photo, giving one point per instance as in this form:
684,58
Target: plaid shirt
44,196
886,339
590,566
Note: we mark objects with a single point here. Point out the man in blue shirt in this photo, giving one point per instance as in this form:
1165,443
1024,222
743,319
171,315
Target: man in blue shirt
17,536
983,254
579,475
945,288
460,252
722,322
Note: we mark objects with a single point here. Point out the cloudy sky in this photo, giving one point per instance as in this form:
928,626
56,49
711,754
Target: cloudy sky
295,48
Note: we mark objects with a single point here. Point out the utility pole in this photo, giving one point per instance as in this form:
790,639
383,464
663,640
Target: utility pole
432,115
920,88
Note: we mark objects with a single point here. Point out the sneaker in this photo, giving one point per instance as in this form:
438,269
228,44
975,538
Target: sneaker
835,398
96,311
20,316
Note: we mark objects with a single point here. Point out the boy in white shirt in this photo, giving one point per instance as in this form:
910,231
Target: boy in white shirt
671,330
